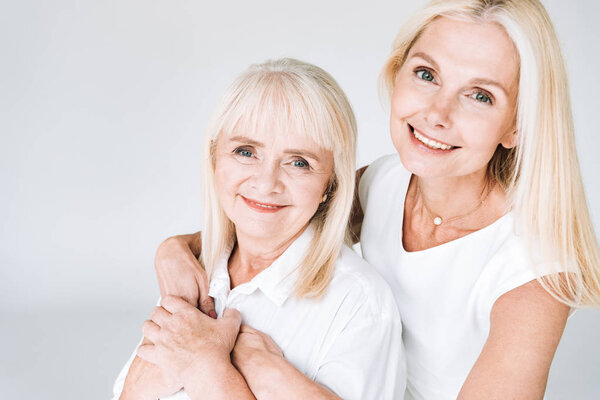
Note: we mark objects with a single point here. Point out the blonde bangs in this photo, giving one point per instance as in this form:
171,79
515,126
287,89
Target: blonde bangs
282,102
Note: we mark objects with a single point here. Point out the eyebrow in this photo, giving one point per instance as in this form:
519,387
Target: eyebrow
483,81
300,152
476,81
427,58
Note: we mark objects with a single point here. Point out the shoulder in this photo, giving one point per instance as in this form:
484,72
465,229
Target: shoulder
386,173
384,166
512,263
360,284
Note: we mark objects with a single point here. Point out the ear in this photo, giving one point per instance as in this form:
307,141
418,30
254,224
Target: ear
509,140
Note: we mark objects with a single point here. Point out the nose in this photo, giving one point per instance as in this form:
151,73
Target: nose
439,112
267,178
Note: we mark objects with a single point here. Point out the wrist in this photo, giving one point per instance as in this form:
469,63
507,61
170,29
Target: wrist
264,372
208,367
218,380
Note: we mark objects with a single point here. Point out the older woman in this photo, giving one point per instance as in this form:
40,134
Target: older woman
479,222
278,185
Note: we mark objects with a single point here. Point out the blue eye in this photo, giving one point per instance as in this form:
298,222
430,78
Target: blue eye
482,97
424,74
300,164
244,152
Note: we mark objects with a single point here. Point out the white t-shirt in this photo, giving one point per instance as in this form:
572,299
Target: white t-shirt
349,340
445,294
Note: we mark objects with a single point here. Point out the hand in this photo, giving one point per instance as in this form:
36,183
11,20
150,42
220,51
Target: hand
268,374
253,355
185,342
180,274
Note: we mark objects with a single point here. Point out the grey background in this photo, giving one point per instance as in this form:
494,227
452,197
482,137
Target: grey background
102,109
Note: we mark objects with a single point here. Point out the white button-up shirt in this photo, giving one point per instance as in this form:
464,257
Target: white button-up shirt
349,340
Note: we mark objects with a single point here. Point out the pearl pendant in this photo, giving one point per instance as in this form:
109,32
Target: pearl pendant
437,221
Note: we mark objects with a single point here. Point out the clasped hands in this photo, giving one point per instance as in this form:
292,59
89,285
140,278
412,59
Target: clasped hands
188,345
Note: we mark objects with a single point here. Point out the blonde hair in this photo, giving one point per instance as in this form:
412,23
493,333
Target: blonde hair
287,95
541,173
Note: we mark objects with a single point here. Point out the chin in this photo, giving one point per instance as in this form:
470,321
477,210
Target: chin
259,231
420,167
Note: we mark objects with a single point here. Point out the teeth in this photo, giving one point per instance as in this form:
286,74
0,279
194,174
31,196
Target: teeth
263,205
430,143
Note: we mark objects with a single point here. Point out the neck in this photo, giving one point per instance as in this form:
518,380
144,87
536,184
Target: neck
253,255
448,197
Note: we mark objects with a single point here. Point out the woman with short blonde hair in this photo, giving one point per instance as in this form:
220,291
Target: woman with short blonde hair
286,95
278,175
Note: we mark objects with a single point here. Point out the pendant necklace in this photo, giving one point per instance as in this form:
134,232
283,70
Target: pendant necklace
437,220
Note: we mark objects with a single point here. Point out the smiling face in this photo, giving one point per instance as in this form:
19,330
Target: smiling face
454,99
270,184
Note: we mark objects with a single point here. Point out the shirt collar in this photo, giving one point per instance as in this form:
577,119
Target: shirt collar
277,281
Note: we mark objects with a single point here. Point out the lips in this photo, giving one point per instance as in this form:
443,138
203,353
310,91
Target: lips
429,142
261,206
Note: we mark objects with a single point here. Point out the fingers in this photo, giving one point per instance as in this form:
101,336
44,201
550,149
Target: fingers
233,317
174,304
150,331
147,352
160,316
206,303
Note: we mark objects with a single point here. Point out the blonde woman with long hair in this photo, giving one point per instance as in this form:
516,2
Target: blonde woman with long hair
479,221
278,182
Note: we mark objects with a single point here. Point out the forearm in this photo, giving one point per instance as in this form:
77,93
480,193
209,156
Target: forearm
194,241
220,380
140,381
277,378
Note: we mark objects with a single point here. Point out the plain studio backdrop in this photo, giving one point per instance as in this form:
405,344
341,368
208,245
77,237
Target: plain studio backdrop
103,105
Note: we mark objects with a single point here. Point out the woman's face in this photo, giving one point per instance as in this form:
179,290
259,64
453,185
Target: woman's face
270,184
454,99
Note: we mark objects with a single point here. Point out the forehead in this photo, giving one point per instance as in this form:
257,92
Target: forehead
274,137
473,49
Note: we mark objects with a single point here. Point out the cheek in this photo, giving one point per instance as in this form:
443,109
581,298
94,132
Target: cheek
483,133
229,177
308,193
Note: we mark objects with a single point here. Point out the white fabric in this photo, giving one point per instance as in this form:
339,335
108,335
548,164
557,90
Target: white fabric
445,294
349,341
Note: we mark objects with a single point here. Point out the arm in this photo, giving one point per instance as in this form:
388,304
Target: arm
356,214
180,274
526,324
221,380
145,381
268,373
142,380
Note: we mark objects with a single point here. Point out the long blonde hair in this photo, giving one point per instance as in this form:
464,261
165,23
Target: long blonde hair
541,173
289,95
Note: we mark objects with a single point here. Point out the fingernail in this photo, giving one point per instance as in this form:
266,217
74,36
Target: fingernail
212,314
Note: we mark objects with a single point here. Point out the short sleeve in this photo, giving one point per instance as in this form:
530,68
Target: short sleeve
511,267
366,360
370,175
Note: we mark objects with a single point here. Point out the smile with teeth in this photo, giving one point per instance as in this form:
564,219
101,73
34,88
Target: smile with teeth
432,144
262,205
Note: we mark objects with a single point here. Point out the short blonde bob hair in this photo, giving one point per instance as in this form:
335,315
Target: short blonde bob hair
287,95
541,174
